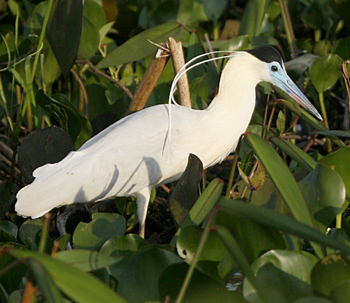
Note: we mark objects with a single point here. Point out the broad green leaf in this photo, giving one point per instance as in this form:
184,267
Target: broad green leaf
138,47
64,31
213,255
341,293
9,227
340,161
140,276
86,260
324,192
281,121
77,285
208,10
312,299
281,222
70,120
47,145
28,232
95,13
235,44
203,206
253,17
94,234
44,282
324,72
201,288
281,177
295,153
285,275
253,238
35,21
329,273
50,71
124,246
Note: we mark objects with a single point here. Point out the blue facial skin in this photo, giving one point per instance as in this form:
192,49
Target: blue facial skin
282,80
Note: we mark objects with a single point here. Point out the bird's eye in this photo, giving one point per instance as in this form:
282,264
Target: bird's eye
274,68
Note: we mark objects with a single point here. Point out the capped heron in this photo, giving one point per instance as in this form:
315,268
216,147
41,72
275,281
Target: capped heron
151,147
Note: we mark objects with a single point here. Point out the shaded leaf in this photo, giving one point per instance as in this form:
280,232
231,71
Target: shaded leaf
185,193
28,231
285,275
254,13
94,234
140,276
64,31
329,273
48,145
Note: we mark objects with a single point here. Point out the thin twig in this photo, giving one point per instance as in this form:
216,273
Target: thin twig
103,74
82,87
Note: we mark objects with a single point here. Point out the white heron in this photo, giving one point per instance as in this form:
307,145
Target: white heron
140,152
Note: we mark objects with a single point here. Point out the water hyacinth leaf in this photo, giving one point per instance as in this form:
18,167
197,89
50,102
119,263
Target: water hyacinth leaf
324,72
253,238
77,285
94,234
142,272
201,288
203,206
86,260
65,113
338,161
281,177
342,48
329,273
324,192
48,145
281,222
28,231
64,31
295,153
44,282
95,13
10,228
285,275
139,45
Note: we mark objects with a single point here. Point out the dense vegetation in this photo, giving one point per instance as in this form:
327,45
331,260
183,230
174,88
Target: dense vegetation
280,221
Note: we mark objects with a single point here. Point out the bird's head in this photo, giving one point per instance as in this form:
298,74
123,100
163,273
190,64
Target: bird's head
277,75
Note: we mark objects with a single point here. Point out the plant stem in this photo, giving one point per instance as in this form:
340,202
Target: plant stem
288,27
44,233
324,115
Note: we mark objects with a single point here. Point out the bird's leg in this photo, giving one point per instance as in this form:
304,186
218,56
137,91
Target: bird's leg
142,200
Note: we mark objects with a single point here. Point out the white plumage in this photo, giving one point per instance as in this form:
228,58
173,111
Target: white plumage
134,155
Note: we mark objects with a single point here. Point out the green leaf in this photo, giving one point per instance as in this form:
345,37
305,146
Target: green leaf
286,224
253,17
338,161
252,237
64,31
324,192
28,232
86,260
44,282
340,133
285,275
325,72
342,48
203,206
123,245
70,120
329,273
9,227
140,276
77,285
201,288
94,234
90,40
282,178
139,45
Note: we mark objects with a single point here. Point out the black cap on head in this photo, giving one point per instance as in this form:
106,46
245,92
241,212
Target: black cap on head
266,54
